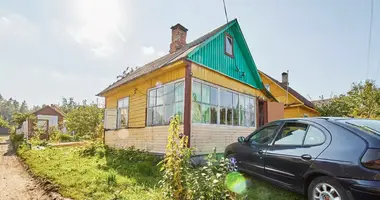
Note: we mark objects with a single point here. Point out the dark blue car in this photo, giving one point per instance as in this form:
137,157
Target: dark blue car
323,158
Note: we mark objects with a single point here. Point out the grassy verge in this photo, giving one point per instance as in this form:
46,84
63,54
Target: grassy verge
102,173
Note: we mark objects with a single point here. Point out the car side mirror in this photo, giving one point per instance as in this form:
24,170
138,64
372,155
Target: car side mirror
241,139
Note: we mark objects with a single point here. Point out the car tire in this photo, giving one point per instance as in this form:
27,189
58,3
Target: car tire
326,187
232,163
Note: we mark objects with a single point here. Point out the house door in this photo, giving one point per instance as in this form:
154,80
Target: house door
262,114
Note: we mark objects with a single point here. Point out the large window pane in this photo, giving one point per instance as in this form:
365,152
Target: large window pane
241,102
149,118
160,96
158,115
225,98
179,110
253,120
247,118
223,116
242,117
236,117
251,104
179,93
214,115
214,96
205,93
235,104
229,116
169,93
205,113
169,113
123,117
152,98
196,91
196,112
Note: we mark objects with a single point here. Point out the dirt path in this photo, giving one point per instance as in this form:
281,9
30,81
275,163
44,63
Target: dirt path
15,182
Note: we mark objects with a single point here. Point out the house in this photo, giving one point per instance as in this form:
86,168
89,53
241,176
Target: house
47,117
4,131
211,83
295,104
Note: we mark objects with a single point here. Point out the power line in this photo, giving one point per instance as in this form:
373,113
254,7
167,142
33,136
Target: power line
370,38
225,10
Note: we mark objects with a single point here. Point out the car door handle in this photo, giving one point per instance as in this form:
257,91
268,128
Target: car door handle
306,157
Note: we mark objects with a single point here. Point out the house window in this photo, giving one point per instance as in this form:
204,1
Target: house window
205,103
216,105
164,102
267,86
122,112
229,45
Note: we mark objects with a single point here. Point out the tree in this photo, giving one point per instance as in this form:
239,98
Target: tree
84,120
68,104
3,123
19,118
362,100
23,107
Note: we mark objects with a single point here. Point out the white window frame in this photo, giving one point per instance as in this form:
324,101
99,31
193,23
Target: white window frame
267,86
164,105
119,113
219,88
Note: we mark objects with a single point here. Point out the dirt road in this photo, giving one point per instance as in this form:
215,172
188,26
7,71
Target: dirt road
15,182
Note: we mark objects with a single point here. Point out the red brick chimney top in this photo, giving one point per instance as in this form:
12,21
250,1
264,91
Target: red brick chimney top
179,33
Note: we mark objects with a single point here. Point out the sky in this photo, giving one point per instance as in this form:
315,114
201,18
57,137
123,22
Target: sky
51,49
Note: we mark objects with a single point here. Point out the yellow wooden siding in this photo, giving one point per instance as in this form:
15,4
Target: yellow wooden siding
137,91
152,139
309,112
217,78
205,137
292,112
278,92
299,111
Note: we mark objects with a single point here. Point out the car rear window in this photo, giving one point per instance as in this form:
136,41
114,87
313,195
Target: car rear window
367,125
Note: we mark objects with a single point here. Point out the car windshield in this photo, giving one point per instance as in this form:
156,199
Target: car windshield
369,126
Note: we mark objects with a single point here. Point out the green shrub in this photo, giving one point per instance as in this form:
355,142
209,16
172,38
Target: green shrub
208,182
181,181
54,134
145,168
16,139
176,163
111,178
66,138
94,148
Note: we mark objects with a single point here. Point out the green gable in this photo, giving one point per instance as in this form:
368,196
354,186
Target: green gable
241,67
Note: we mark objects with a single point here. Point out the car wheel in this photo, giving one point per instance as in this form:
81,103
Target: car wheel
232,164
326,188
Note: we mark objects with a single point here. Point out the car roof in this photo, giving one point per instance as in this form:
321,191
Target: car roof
315,118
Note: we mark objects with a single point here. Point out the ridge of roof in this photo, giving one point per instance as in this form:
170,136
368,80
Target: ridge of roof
56,109
291,91
164,60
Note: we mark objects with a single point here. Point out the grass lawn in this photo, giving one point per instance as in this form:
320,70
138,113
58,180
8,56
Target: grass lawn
115,174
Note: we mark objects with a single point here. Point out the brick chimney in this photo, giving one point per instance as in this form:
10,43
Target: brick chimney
179,33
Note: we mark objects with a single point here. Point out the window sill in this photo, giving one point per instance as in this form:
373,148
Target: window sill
221,125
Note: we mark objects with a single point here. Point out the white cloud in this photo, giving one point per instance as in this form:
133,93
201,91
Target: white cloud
148,50
5,19
103,51
97,25
18,27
